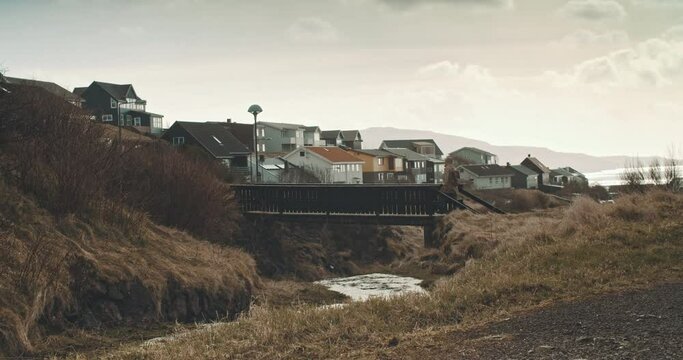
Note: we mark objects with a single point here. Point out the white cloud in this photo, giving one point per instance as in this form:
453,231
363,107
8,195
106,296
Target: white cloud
655,62
312,30
674,33
585,38
594,10
503,4
658,3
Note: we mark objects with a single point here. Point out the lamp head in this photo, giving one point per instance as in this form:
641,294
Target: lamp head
255,109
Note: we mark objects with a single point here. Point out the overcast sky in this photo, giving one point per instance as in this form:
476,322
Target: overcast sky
594,76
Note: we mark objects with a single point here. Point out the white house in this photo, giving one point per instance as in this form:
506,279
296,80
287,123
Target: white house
329,164
487,177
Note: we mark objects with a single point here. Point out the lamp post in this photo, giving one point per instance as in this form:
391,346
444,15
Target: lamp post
255,110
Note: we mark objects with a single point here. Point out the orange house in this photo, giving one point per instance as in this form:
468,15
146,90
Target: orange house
380,166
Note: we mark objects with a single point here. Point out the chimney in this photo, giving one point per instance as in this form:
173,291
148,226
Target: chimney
528,155
229,121
508,164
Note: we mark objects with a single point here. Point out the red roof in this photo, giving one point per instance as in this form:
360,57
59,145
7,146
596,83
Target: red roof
333,154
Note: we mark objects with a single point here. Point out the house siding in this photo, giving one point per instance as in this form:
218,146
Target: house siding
474,157
333,173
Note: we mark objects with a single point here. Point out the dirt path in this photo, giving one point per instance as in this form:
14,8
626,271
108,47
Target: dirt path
633,325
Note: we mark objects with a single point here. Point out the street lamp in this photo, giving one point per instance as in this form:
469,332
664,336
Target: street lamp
255,110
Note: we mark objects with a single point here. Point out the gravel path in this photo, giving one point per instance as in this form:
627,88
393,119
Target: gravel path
632,325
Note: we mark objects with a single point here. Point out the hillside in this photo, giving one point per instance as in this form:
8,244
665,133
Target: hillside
372,137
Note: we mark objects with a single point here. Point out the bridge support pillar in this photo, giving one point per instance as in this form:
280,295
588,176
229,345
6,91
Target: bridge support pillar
430,239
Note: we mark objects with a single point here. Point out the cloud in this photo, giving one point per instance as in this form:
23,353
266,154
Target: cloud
585,38
655,62
312,30
658,3
594,10
468,75
674,33
504,4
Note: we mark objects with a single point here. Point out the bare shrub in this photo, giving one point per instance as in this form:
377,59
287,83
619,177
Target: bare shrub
672,175
655,172
583,214
633,175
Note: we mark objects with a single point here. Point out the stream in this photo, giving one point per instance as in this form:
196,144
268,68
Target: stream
363,287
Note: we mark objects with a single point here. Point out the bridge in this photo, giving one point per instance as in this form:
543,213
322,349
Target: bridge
395,204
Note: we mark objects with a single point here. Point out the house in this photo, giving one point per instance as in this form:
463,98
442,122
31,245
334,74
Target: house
523,177
110,103
280,138
474,156
576,175
331,138
419,168
330,164
214,139
50,87
542,171
380,166
426,147
245,134
312,136
352,139
562,176
486,177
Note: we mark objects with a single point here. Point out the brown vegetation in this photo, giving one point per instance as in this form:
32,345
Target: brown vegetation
514,262
520,200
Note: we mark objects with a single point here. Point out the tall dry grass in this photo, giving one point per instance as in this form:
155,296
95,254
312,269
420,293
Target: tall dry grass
529,260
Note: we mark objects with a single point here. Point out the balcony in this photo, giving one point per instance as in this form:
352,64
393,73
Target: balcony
289,140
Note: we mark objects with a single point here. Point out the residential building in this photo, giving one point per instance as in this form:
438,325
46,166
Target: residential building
216,141
50,87
312,136
474,156
281,138
486,177
542,171
426,147
245,134
352,139
419,168
562,176
380,166
523,177
330,164
331,138
112,103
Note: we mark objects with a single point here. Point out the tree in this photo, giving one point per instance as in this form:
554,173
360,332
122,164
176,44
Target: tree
634,174
655,172
672,175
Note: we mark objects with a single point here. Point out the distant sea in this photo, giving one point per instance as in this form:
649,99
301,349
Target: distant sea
613,177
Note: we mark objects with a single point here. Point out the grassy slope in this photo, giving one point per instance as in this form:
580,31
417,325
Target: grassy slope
527,261
41,254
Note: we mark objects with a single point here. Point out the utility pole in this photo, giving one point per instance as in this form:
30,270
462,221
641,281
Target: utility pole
255,110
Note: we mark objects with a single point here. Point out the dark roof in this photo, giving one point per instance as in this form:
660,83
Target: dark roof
215,138
408,144
488,170
350,135
243,132
333,154
561,172
311,128
408,154
535,165
49,86
522,169
330,134
373,152
473,149
118,92
280,126
80,90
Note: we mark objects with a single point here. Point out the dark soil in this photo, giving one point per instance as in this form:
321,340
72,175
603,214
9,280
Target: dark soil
645,324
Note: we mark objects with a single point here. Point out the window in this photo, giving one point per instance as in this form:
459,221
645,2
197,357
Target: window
178,140
107,118
129,120
218,141
380,176
112,103
137,121
302,153
380,161
262,147
157,123
490,180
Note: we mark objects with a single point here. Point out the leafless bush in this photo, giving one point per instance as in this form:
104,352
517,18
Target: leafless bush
672,176
655,172
633,175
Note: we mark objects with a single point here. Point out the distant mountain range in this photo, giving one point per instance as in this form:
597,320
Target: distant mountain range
372,137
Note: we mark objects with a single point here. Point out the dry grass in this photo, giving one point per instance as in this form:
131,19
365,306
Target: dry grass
520,200
527,261
49,266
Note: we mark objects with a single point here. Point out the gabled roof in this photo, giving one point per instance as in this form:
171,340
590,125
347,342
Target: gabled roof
144,113
330,134
118,92
373,152
311,128
408,144
48,86
561,172
243,132
473,149
333,154
533,162
488,170
350,135
281,126
80,90
523,170
215,138
408,154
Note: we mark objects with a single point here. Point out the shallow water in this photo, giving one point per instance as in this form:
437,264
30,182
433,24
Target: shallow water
363,287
